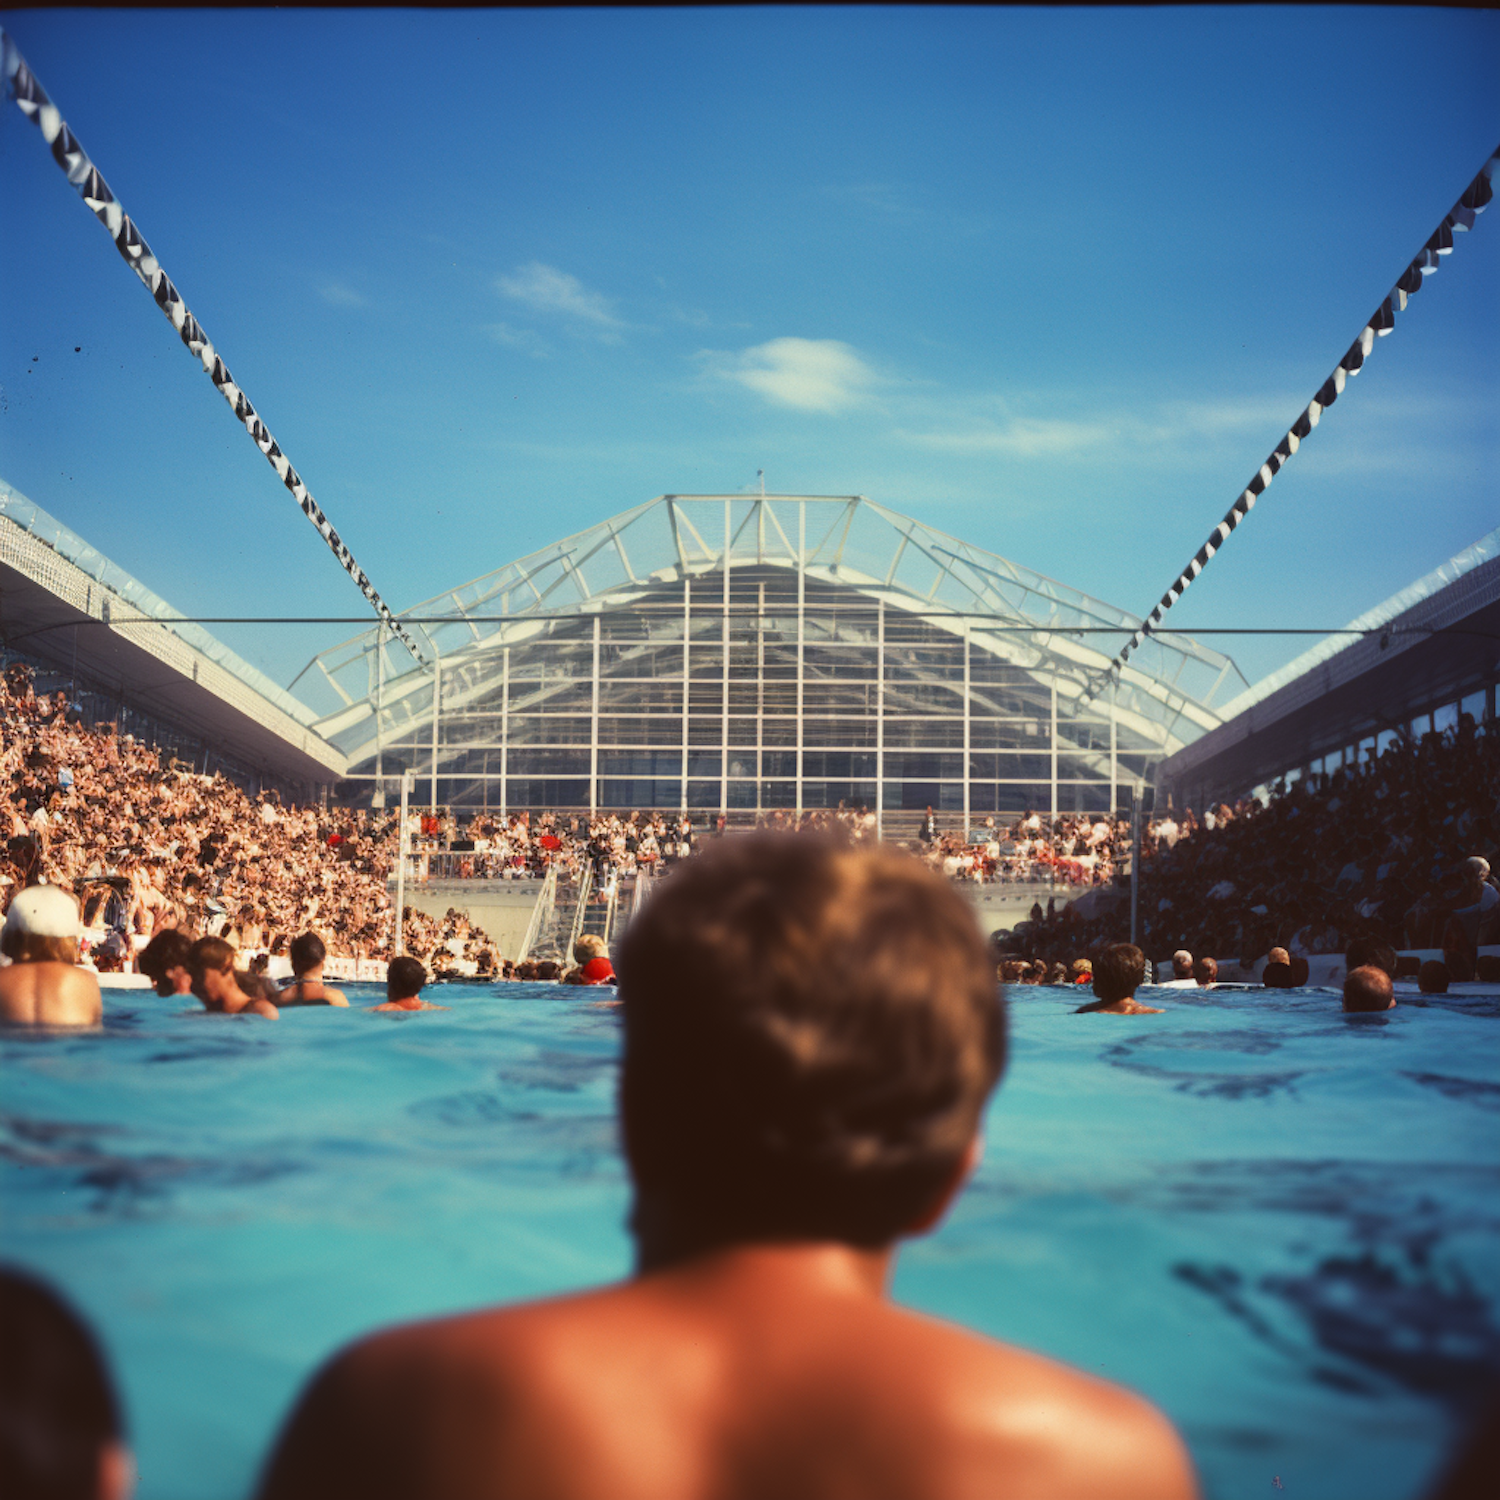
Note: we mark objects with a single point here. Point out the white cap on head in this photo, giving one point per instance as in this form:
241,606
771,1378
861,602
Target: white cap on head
43,911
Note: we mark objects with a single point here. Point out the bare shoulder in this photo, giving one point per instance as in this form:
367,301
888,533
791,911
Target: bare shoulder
1015,1411
335,997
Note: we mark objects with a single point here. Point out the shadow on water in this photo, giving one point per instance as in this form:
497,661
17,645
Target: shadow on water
122,1185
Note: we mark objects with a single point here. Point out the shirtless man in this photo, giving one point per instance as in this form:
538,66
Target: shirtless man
42,985
308,988
810,1037
1118,972
211,963
404,978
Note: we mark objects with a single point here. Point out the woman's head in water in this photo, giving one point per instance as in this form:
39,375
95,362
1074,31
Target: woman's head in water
811,1032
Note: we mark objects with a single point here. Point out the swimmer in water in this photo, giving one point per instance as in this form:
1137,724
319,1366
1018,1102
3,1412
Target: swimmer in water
43,985
307,988
211,963
404,978
1118,972
811,1034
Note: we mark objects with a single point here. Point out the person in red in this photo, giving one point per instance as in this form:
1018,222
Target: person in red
592,958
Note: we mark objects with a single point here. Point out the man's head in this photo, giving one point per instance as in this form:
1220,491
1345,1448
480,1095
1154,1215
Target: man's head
164,961
61,1432
1368,988
41,927
589,946
307,953
811,1031
1432,977
1475,872
404,978
1119,971
211,965
1182,964
1279,956
1206,971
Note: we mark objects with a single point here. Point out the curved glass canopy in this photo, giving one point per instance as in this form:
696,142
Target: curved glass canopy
715,653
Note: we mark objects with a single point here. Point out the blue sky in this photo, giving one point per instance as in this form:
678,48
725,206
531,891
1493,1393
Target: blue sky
1053,281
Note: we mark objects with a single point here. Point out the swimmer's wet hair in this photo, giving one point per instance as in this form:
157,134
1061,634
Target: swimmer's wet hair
811,1032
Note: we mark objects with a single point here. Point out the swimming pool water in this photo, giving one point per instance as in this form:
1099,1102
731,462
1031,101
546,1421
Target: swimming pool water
1281,1224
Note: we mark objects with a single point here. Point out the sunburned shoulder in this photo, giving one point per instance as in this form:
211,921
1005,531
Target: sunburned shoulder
49,994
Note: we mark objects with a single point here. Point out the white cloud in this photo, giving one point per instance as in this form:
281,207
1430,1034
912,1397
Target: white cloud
545,289
518,338
817,375
339,295
1019,437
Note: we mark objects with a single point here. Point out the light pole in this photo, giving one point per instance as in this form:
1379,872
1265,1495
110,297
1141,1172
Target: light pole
399,945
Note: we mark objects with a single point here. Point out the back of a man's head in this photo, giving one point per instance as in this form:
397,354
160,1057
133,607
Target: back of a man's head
60,1421
1119,970
1368,988
404,978
1432,977
1206,971
307,952
811,1032
1182,964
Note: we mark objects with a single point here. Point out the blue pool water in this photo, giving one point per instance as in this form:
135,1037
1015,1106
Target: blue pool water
1280,1224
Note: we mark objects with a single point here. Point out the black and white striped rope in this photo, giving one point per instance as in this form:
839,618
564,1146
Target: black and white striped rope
1461,217
22,84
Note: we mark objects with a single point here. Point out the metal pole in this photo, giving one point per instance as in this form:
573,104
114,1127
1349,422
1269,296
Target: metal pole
1135,859
377,798
399,945
437,680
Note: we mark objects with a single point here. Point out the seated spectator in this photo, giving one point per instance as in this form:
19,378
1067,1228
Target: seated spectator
42,985
62,1436
164,961
404,978
211,964
1432,977
1082,971
811,1035
1368,988
1182,964
306,987
1206,972
1117,973
591,954
1277,976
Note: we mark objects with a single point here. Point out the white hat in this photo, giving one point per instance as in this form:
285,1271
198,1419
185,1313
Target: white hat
43,911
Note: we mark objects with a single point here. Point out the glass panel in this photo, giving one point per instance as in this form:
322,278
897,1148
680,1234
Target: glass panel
706,731
841,764
542,795
640,661
704,763
532,762
644,731
936,734
839,732
741,763
742,793
1083,767
653,794
705,661
779,732
657,763
831,793
546,731
1445,718
742,732
778,763
923,767
779,794
703,794
664,696
837,697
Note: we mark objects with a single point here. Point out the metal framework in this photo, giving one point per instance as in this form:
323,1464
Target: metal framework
718,652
